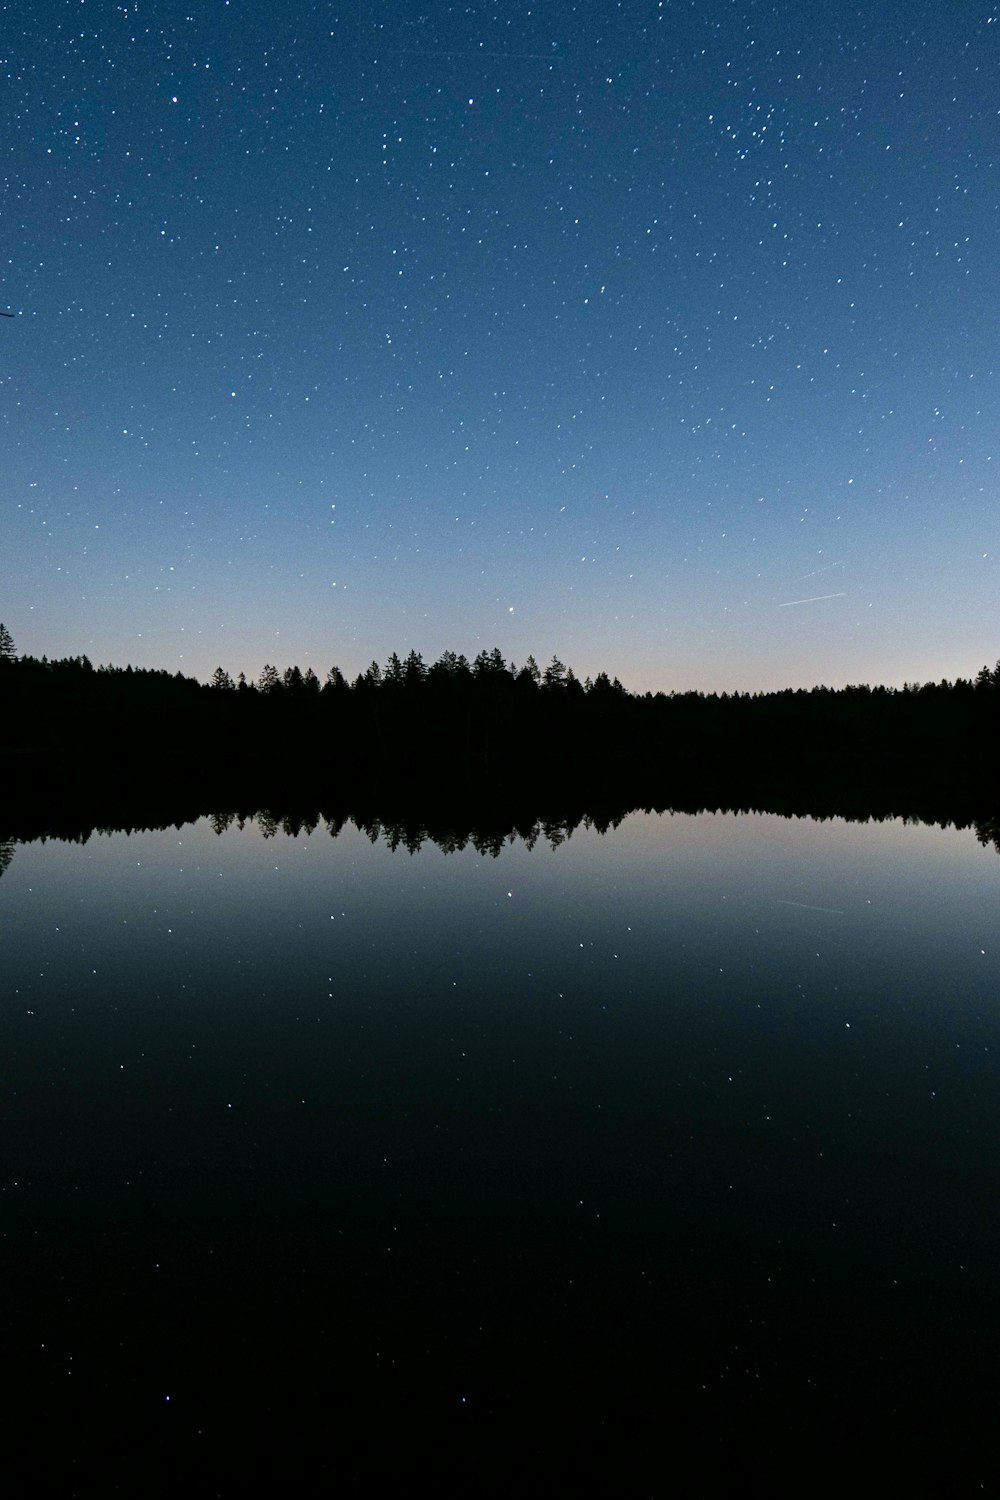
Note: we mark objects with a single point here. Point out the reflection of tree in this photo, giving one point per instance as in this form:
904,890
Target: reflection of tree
490,842
450,841
487,836
450,815
294,824
988,831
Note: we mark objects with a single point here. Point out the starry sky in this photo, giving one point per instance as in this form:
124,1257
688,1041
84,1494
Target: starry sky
658,335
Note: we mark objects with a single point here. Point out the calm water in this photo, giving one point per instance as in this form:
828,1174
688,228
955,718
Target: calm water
677,1142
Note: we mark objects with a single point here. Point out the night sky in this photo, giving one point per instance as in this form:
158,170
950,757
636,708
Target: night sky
658,336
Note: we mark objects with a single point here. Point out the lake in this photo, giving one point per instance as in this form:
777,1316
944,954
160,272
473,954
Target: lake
612,1153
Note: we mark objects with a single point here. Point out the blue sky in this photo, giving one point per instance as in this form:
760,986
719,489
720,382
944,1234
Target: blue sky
661,337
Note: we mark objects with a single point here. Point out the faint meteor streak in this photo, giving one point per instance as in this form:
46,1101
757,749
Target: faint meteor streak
834,911
814,600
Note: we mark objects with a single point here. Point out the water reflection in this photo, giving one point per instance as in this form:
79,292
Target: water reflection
646,1134
486,829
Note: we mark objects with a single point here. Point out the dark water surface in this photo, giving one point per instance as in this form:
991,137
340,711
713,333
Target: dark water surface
668,1151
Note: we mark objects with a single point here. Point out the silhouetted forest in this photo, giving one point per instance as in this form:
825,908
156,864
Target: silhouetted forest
490,732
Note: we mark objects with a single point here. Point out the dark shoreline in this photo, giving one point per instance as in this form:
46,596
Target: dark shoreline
51,795
477,744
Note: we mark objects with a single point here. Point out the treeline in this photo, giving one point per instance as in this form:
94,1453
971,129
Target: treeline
487,720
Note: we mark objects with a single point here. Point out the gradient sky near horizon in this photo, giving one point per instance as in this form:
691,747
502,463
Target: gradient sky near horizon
659,335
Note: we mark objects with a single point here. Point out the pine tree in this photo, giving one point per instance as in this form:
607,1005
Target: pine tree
7,652
414,669
554,675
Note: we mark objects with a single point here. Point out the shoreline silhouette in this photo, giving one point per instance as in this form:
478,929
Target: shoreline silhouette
110,746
